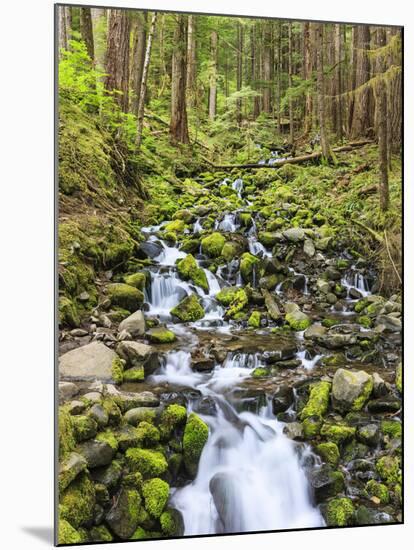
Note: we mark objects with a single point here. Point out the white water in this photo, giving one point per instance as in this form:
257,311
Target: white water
357,282
166,292
237,185
169,255
228,223
250,475
308,364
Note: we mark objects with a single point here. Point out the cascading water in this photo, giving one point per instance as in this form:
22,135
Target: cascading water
251,476
237,185
166,292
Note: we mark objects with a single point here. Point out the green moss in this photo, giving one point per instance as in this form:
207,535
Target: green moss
311,426
136,374
239,302
379,490
337,433
149,463
328,322
339,512
268,239
125,296
254,319
115,254
112,410
360,305
213,245
388,468
161,335
399,378
147,434
189,309
231,250
176,226
68,313
117,370
195,437
245,219
171,523
189,270
318,401
260,372
68,534
77,501
298,321
364,321
156,492
100,534
85,427
137,280
140,534
248,267
329,453
391,428
108,436
172,417
66,432
227,295
360,401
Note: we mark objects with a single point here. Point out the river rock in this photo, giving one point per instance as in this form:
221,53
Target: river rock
282,399
368,434
134,324
326,482
350,390
323,286
225,493
72,466
123,517
314,332
149,249
97,453
293,430
108,475
336,341
309,248
67,390
294,234
384,404
138,414
125,296
390,323
131,400
134,353
91,362
99,414
380,386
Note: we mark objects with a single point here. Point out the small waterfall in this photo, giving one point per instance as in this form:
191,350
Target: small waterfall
169,255
355,280
255,247
212,282
197,227
166,292
176,369
238,185
228,223
307,364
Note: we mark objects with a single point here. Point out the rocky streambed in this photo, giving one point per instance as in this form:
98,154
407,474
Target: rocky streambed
243,375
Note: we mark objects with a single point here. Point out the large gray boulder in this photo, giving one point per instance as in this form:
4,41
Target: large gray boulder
294,234
134,353
134,324
91,362
351,390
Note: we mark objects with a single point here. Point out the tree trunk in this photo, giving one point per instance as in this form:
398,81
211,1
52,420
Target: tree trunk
320,90
307,75
138,58
381,93
178,123
290,76
279,74
212,97
87,32
143,89
117,57
239,75
338,82
65,24
362,111
267,67
191,61
253,53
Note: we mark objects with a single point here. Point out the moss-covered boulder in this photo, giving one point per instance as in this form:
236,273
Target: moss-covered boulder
326,482
378,491
388,468
161,335
175,226
339,512
351,390
68,534
68,312
122,518
254,319
77,501
231,250
318,402
195,437
189,309
172,417
329,453
399,378
156,493
212,245
85,427
172,523
137,280
227,295
298,320
249,267
148,462
268,238
100,533
311,426
126,296
337,433
147,434
189,271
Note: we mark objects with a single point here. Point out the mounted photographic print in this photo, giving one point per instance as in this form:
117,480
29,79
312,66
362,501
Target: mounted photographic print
229,274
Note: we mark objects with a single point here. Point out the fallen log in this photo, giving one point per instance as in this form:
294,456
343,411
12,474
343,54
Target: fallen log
295,160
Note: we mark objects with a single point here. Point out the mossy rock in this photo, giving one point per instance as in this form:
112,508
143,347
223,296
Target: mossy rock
269,239
125,296
135,374
161,335
108,436
254,319
172,524
378,490
66,432
156,493
391,428
194,439
172,417
77,502
212,245
189,270
117,370
298,320
388,468
122,518
148,462
260,372
249,267
147,434
137,280
318,402
175,226
329,453
339,512
189,309
227,295
68,312
245,219
364,321
338,433
239,302
68,534
85,427
231,250
399,378
100,533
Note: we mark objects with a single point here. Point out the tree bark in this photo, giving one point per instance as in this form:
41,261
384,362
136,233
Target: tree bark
239,73
178,123
307,75
191,61
212,97
279,74
144,79
381,94
320,89
290,79
338,82
138,58
87,32
362,109
117,57
267,67
65,26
